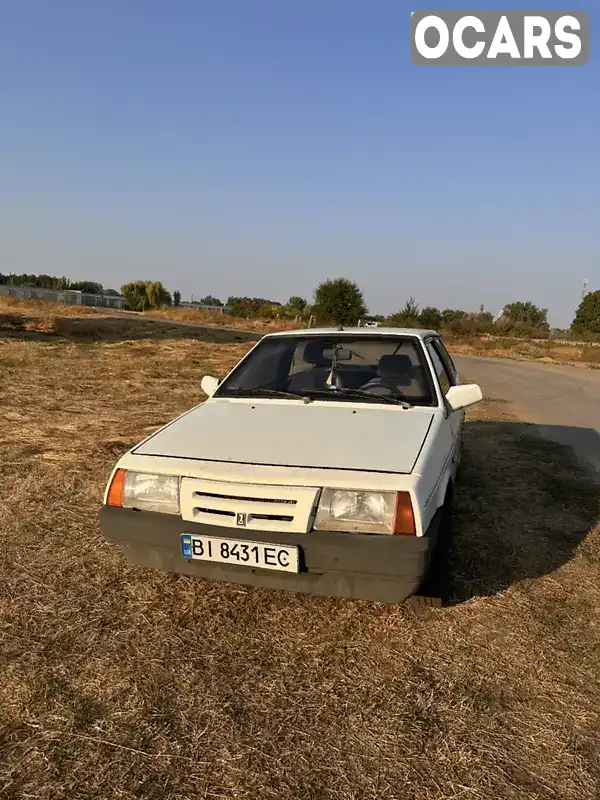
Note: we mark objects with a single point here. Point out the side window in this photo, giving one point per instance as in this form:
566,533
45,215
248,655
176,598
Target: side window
440,368
446,358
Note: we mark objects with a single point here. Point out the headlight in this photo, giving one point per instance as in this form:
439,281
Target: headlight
364,512
150,492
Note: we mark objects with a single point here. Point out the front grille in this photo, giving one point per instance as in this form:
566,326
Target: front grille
245,498
260,507
216,511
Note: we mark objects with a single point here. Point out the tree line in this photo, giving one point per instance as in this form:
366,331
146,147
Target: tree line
340,301
53,283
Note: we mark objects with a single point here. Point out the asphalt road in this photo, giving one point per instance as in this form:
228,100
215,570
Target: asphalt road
563,402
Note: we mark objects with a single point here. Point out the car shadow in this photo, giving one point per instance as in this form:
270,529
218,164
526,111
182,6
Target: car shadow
524,504
90,328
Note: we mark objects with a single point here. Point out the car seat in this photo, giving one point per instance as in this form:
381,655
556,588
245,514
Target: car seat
395,375
316,376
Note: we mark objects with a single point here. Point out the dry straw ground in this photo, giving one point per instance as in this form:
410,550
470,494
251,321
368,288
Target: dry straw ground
207,317
87,324
123,683
522,350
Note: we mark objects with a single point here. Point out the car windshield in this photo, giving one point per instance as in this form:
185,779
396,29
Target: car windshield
367,368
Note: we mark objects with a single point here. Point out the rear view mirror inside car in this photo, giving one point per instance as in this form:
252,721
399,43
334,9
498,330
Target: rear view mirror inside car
329,353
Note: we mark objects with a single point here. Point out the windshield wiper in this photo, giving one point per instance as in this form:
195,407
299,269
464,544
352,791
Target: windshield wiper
359,394
264,392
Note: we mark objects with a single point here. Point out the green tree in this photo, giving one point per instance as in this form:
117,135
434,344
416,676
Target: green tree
135,295
248,307
53,282
144,295
527,313
209,300
176,298
297,303
587,317
338,301
157,294
523,319
451,314
407,317
269,312
431,318
64,283
87,287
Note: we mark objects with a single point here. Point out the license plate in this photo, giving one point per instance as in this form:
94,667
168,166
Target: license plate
234,551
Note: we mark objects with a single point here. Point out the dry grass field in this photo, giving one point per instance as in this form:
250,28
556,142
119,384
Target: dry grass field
205,316
86,324
548,352
123,683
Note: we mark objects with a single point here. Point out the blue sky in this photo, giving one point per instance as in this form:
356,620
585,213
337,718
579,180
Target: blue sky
259,146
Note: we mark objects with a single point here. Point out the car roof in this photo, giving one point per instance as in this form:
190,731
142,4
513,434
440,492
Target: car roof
415,333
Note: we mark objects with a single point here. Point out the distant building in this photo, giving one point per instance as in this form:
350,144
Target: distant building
71,296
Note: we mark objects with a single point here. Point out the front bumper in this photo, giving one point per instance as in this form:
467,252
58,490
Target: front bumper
386,569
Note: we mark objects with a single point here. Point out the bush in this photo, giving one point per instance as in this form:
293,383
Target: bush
591,355
407,317
463,326
506,326
248,307
431,318
451,314
270,312
210,300
297,304
527,314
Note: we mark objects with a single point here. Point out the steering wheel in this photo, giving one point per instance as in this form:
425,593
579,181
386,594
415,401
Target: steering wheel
377,387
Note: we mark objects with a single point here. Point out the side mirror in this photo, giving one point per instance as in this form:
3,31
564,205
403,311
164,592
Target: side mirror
209,385
462,396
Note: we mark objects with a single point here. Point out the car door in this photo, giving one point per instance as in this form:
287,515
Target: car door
447,376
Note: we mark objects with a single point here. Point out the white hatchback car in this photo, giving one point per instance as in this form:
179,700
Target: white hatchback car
323,463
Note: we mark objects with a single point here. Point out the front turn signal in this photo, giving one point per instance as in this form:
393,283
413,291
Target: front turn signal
116,489
404,521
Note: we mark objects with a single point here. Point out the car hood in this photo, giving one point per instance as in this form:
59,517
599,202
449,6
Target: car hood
282,433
